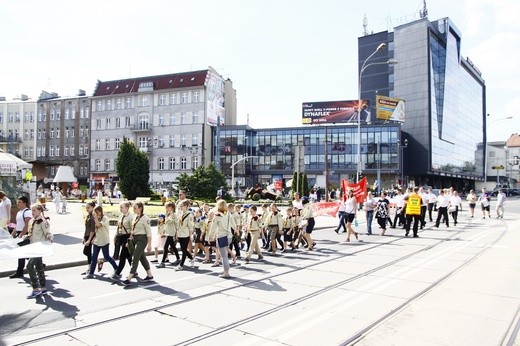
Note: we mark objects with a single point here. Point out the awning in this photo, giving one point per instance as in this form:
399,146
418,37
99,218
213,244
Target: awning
10,164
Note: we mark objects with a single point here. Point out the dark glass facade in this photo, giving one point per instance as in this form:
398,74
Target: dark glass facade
279,152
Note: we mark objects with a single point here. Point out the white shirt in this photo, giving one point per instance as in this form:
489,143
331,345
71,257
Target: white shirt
501,198
350,205
455,201
431,197
297,204
425,198
6,202
443,201
399,201
20,218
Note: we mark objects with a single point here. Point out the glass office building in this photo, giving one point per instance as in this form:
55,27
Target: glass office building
278,153
445,100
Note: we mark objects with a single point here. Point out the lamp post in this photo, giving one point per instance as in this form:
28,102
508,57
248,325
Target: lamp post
233,171
401,161
486,146
363,67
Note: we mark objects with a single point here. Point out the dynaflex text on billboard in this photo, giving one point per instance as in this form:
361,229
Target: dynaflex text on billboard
331,112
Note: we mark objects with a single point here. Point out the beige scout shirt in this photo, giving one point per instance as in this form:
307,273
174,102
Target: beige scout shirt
186,224
141,226
124,224
221,226
39,230
102,237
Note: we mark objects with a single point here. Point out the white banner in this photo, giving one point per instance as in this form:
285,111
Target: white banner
9,248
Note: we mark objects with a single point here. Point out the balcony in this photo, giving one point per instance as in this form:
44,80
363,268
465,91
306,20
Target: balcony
141,127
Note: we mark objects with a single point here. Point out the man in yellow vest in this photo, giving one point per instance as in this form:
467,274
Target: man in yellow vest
413,211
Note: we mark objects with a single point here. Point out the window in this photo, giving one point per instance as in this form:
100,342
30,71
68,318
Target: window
107,123
162,100
32,134
173,99
143,142
172,119
52,115
172,141
128,103
85,150
38,151
53,170
82,170
118,104
107,164
26,117
73,113
184,98
86,131
66,151
25,151
98,108
51,133
144,101
127,122
117,143
40,116
43,151
183,163
161,119
98,124
57,132
57,152
86,112
16,117
66,132
1,117
183,118
72,153
172,163
39,133
107,144
194,139
160,163
195,96
51,150
44,133
31,151
97,165
143,122
183,140
80,150
67,114
109,105
72,132
81,113
194,162
98,144
195,118
26,134
118,123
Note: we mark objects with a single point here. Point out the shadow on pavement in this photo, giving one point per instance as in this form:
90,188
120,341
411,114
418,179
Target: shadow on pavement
66,239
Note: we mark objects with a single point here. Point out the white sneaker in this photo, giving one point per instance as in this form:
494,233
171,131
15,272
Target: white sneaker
192,262
178,268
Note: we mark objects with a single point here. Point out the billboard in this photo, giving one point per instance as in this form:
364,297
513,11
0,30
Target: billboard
215,98
331,112
389,108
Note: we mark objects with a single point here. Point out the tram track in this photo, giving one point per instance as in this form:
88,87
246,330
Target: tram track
280,307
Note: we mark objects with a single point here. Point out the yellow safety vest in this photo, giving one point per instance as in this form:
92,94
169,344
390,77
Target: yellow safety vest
413,206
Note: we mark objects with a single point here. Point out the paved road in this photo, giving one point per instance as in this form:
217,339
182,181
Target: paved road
456,286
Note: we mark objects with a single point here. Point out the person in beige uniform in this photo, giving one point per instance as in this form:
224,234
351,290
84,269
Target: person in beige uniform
221,231
171,223
253,226
184,233
101,242
39,230
274,224
124,227
141,235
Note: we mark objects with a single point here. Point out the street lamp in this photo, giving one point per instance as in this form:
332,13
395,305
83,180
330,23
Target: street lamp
363,67
233,171
486,146
401,161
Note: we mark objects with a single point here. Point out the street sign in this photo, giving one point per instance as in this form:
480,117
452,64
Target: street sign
498,167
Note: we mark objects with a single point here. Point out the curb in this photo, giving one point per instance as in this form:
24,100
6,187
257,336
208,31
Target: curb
84,262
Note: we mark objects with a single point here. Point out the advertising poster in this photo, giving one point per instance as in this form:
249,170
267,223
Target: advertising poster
215,99
333,112
389,108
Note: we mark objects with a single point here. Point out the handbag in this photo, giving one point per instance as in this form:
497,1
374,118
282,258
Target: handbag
452,209
356,223
223,241
130,244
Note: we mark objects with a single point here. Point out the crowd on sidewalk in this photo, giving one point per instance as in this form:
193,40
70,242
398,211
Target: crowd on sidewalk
223,233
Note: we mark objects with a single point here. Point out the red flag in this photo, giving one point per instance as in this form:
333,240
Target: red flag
325,208
344,184
360,189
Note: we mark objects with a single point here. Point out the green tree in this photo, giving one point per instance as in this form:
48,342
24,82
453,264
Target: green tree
203,182
305,185
133,170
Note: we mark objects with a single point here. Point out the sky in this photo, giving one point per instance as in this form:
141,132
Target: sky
277,53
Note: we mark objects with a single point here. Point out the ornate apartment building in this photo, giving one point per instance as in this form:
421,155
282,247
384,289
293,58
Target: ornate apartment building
18,127
169,117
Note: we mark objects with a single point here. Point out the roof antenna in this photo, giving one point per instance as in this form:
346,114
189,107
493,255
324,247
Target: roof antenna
365,25
424,12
